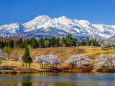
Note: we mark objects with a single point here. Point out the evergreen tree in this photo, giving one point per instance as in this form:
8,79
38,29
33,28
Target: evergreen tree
19,42
87,41
69,40
92,42
96,43
26,57
53,41
34,43
27,42
63,40
74,41
1,45
11,44
23,45
6,44
83,42
57,42
48,42
41,43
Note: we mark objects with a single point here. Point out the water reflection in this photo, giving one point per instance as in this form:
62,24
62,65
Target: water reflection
58,79
26,84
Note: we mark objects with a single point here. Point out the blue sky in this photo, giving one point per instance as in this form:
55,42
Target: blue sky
95,11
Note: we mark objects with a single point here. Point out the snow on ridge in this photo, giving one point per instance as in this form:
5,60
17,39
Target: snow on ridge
61,25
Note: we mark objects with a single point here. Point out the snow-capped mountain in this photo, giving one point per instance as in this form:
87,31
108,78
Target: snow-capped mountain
11,29
44,26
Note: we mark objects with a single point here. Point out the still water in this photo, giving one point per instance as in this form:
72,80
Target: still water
58,79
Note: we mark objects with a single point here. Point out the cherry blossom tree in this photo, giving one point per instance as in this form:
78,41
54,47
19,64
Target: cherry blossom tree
105,61
3,56
107,43
46,60
79,61
54,60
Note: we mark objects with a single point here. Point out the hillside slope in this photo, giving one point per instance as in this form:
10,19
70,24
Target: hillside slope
63,52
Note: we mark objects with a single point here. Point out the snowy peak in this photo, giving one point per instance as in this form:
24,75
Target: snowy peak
36,23
43,26
85,22
63,18
42,18
11,27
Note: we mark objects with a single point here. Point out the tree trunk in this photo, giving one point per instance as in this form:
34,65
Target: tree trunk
26,65
23,64
0,62
29,65
40,65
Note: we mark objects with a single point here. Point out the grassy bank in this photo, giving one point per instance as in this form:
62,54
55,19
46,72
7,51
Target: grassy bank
62,52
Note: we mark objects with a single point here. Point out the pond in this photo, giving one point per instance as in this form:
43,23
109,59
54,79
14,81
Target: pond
58,79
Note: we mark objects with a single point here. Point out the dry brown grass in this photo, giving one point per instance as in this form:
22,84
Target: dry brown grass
63,52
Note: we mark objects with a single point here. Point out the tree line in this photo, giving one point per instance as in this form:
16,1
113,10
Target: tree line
67,41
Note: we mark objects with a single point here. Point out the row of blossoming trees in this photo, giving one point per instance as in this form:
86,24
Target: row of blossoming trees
84,61
51,60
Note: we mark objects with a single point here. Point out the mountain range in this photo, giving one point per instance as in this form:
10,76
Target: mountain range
44,26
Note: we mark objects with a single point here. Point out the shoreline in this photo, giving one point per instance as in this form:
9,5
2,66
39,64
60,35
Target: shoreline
16,72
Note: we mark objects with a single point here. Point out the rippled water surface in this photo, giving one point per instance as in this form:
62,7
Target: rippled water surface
58,79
